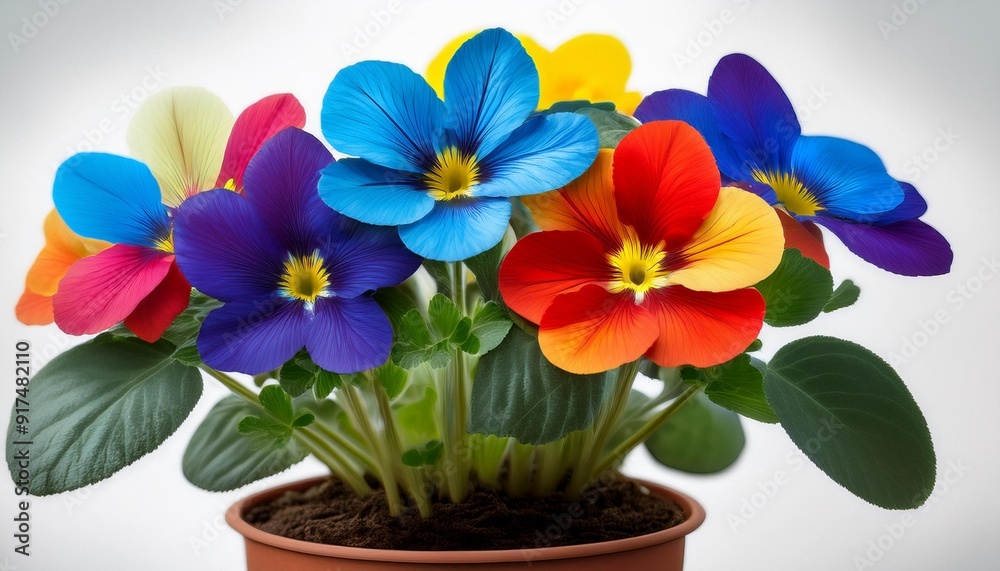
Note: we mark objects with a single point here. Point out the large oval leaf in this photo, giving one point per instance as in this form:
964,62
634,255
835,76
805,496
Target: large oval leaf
219,458
850,413
99,407
518,393
701,438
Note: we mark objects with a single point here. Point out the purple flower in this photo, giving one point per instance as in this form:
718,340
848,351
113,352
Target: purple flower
291,273
751,126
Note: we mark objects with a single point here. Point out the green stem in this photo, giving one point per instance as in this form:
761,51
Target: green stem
604,424
519,469
454,403
363,457
359,411
649,428
411,477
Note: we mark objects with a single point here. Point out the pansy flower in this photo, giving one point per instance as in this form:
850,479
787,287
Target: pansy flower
645,255
291,273
442,171
589,67
841,185
186,141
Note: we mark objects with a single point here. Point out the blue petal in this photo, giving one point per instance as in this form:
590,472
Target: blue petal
458,229
361,257
490,88
848,179
280,182
349,335
373,194
909,248
754,112
545,153
913,206
385,113
695,110
110,198
225,249
252,336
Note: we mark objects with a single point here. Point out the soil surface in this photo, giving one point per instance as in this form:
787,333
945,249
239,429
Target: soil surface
329,513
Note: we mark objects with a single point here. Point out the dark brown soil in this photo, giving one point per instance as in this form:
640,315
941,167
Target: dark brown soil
331,514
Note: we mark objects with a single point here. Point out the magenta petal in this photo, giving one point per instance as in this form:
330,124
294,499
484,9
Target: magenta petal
252,337
102,290
909,247
159,309
256,124
349,335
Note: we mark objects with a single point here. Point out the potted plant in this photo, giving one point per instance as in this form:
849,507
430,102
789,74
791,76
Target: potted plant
452,319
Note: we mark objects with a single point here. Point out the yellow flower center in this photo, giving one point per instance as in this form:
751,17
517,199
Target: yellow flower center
305,279
452,176
637,268
230,185
166,243
795,197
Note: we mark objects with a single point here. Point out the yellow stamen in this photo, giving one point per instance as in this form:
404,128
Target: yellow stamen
452,176
166,243
305,279
637,268
795,197
230,185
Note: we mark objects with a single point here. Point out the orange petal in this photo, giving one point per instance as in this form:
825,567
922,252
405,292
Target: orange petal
806,239
544,265
703,328
739,244
34,309
587,204
593,330
666,182
62,248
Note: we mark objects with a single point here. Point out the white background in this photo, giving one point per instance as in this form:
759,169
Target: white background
896,90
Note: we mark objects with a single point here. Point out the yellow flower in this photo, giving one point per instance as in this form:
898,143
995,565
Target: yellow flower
594,67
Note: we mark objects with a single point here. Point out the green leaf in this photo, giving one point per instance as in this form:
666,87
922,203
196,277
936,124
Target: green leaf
757,345
218,458
325,383
301,374
444,316
738,385
578,105
415,346
490,326
392,378
844,296
441,274
303,420
425,456
701,438
277,402
265,432
99,407
414,412
611,125
518,393
797,291
183,332
850,413
520,219
486,266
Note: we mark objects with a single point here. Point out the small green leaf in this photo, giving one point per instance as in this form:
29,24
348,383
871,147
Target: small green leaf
277,402
611,125
461,331
851,414
296,379
413,457
444,315
441,274
490,325
265,433
738,385
844,296
578,105
486,266
99,407
471,345
797,291
325,383
757,345
518,393
415,346
425,456
303,420
701,438
219,458
392,378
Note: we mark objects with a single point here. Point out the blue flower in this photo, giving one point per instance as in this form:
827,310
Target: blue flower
754,134
291,273
442,171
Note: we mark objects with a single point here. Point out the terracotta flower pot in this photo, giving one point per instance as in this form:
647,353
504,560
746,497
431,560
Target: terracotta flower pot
662,550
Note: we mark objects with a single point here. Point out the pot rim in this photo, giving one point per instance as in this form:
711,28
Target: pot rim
693,511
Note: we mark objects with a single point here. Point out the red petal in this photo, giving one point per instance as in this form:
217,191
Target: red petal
102,290
703,328
593,330
157,311
255,125
666,182
806,237
544,265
